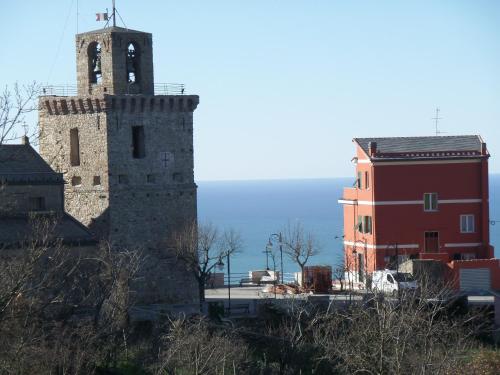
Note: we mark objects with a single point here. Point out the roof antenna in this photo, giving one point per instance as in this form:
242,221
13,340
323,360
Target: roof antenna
114,16
436,119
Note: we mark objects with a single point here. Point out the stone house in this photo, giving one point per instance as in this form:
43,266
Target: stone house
30,189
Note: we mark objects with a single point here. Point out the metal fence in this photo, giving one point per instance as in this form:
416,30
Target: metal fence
60,90
72,90
169,88
239,278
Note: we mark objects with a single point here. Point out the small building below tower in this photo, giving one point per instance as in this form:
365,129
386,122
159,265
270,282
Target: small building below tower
31,190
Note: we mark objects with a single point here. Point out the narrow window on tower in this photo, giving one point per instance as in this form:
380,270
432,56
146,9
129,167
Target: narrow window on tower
138,145
132,63
358,181
76,181
74,144
94,54
367,180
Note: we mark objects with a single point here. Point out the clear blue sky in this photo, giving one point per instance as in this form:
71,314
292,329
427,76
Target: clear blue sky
285,85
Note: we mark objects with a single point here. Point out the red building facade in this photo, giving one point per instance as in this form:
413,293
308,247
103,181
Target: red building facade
416,197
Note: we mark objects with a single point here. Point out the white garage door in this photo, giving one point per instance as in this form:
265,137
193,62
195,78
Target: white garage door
475,279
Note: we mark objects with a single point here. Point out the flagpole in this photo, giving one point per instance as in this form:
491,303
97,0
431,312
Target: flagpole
77,16
114,15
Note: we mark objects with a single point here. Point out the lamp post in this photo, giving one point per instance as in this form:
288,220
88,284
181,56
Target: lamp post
267,251
279,238
221,265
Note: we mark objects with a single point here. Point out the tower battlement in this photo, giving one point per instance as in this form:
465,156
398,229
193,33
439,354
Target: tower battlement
55,105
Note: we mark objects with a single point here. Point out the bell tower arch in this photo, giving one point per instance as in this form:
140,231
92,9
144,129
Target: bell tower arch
115,61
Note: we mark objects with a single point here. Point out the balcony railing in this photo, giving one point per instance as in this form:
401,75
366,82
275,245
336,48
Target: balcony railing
72,90
60,90
169,88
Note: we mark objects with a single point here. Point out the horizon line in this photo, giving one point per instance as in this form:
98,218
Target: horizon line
287,178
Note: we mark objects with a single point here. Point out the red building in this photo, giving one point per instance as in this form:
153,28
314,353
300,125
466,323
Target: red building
420,198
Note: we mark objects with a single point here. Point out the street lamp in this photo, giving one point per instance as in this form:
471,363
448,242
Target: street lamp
220,265
279,238
269,247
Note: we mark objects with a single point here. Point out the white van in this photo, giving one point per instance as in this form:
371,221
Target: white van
392,282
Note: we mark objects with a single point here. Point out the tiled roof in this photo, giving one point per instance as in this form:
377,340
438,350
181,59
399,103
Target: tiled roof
21,159
435,147
113,29
17,229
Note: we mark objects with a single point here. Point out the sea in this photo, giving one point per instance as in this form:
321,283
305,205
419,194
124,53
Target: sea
257,209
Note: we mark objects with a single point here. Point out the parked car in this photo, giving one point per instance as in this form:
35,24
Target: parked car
392,282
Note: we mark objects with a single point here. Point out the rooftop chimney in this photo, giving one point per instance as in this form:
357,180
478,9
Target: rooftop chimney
25,140
484,150
372,148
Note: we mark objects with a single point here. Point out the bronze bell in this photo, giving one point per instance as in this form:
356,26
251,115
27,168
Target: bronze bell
97,65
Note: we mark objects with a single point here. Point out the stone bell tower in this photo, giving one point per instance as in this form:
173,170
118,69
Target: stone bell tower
115,61
126,153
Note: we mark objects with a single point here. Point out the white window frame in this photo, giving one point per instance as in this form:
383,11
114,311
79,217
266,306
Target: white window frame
432,208
467,223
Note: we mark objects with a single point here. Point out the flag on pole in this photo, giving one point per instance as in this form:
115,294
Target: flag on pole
101,16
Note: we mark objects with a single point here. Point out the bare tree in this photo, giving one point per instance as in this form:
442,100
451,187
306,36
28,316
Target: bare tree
299,246
113,271
201,248
409,335
15,104
62,309
194,348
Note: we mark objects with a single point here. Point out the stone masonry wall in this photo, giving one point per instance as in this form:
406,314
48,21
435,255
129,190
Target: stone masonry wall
86,201
140,201
155,195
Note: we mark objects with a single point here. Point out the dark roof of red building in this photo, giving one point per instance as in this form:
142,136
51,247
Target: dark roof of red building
435,147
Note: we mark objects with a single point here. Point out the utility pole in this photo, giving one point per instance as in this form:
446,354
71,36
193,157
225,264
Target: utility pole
397,258
281,255
229,282
114,14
